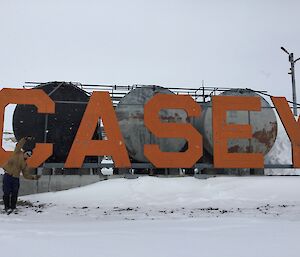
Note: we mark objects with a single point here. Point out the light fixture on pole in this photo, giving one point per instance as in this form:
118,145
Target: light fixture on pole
292,73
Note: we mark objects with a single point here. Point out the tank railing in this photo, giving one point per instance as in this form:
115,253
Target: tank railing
119,91
123,90
129,87
265,94
56,88
34,83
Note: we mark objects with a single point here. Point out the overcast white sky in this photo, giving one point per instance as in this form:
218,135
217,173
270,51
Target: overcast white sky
171,43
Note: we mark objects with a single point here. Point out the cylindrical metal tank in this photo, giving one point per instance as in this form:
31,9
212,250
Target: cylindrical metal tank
263,123
60,127
130,114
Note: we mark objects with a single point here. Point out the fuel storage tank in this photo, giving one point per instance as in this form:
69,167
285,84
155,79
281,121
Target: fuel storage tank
130,115
59,128
263,124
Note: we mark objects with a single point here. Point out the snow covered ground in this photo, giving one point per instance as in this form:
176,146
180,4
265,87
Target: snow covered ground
224,216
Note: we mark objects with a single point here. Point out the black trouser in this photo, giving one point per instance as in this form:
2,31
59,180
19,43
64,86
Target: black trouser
10,191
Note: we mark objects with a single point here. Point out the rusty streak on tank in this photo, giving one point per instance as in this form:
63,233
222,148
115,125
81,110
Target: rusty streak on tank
234,149
265,137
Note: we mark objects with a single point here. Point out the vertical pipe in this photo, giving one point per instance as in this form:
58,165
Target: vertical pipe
291,59
249,123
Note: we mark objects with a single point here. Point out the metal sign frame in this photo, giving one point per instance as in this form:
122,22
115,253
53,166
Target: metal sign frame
201,95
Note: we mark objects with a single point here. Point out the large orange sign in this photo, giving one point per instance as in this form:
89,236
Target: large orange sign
100,106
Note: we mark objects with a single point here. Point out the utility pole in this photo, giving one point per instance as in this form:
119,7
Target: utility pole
292,73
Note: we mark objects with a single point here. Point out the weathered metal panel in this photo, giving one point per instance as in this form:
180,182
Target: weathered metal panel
263,123
130,115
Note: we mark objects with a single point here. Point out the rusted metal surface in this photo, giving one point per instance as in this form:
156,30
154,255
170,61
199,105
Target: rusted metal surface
263,123
130,115
266,137
235,149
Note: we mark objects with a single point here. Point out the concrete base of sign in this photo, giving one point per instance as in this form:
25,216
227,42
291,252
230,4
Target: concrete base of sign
233,172
203,176
131,176
54,183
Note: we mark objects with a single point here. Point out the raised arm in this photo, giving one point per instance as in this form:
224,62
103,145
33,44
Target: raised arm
27,175
19,145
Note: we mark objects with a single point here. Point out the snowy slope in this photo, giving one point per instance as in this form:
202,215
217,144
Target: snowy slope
188,192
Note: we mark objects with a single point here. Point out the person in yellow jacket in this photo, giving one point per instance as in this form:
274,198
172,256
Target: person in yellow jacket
13,167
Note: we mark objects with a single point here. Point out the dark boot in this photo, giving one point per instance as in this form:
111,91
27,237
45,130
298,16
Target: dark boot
6,202
14,199
7,189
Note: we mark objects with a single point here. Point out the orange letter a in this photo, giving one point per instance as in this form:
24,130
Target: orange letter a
99,106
